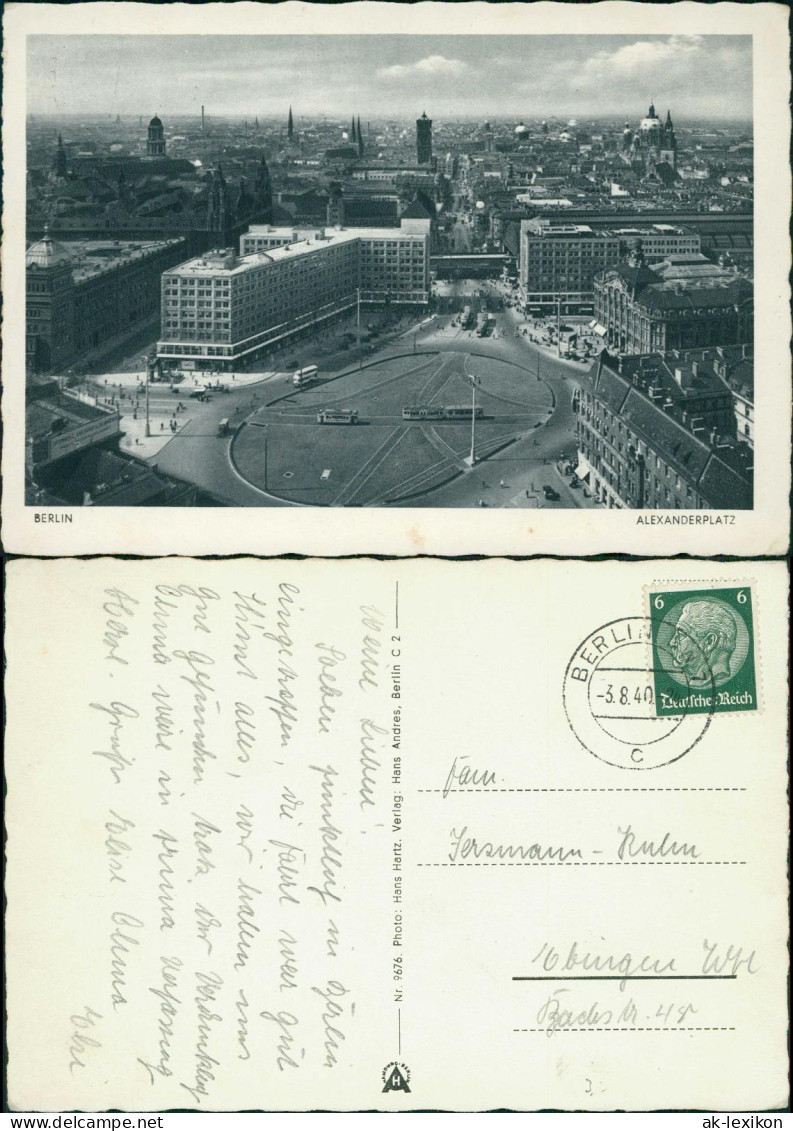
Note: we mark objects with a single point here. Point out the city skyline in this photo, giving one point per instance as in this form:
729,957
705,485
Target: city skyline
496,76
325,256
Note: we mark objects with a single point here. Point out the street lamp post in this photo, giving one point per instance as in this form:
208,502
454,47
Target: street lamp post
148,426
471,461
358,325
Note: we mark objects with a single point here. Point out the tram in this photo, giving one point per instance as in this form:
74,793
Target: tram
440,412
337,416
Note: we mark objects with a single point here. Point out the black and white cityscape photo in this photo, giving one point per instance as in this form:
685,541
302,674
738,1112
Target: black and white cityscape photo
390,271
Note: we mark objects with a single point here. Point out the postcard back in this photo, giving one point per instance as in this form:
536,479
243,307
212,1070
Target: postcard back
395,836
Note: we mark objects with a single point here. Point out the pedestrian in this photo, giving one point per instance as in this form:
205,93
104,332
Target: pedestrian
162,425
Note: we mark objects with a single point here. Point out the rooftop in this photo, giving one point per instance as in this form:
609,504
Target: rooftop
225,262
683,281
291,233
103,478
549,228
542,227
88,258
56,412
720,466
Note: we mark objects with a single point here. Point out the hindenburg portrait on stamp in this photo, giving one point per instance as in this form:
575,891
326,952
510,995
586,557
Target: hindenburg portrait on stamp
704,641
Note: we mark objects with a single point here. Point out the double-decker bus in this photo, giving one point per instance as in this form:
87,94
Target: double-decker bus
305,376
481,323
486,325
467,318
337,416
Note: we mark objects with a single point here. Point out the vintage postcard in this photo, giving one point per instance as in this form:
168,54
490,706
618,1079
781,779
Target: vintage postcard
393,836
497,284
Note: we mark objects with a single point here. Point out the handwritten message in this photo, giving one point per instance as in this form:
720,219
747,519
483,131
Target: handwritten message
239,750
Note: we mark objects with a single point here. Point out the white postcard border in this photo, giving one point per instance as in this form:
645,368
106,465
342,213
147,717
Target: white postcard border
406,531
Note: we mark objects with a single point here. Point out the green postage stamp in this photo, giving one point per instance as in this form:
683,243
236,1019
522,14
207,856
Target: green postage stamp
703,651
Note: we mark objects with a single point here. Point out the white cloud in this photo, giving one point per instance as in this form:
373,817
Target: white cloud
431,65
643,56
655,66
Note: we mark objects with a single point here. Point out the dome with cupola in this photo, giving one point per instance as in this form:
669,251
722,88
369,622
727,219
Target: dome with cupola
47,252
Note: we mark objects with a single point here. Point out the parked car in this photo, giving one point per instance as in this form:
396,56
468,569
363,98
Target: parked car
550,494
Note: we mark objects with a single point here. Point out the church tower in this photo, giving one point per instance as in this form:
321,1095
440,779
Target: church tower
668,147
60,163
155,142
360,138
243,204
219,211
290,126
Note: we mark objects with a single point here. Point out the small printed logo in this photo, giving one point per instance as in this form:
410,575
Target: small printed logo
396,1077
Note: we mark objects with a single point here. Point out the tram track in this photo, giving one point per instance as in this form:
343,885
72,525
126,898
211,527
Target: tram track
423,480
364,473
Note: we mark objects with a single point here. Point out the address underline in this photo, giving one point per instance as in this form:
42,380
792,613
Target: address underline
623,977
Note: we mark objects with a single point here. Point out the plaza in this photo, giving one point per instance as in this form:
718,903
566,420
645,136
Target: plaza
385,458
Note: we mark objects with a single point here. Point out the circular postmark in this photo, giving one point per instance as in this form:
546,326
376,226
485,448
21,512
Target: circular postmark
609,698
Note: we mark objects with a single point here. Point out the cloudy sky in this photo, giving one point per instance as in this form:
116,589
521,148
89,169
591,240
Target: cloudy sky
392,75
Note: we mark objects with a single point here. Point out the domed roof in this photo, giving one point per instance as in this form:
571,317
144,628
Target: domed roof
46,252
521,129
155,122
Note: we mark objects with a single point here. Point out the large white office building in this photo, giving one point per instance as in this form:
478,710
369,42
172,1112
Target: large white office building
222,310
559,261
